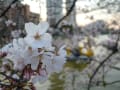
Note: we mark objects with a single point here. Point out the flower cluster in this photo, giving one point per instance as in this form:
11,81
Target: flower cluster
33,56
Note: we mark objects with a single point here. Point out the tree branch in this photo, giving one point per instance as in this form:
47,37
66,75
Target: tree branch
114,82
14,79
114,67
5,11
13,82
115,50
67,14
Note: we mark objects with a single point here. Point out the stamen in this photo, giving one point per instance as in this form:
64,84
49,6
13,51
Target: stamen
37,36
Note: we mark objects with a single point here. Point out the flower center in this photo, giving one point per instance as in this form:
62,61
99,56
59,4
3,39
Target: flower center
40,49
37,36
30,49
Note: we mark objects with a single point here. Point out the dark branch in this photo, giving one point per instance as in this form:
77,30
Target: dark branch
14,79
114,67
114,51
5,85
67,14
18,82
114,82
108,83
6,10
97,69
9,77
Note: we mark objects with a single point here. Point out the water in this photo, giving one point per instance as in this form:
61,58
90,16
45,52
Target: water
71,79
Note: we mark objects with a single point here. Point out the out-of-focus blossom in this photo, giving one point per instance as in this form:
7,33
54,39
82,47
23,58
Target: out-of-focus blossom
13,5
8,22
16,33
54,62
14,24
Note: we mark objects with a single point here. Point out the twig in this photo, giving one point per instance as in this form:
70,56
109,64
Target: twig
9,77
5,11
108,65
115,50
14,79
5,85
67,14
114,82
108,83
15,82
114,67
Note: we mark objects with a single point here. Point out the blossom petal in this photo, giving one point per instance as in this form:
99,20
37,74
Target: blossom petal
21,42
31,29
44,41
6,47
62,51
40,79
34,64
43,27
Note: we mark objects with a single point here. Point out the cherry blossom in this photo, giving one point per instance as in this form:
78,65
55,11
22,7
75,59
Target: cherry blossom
33,56
37,36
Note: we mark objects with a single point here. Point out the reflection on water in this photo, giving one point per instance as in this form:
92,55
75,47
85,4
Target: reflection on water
66,80
71,79
57,83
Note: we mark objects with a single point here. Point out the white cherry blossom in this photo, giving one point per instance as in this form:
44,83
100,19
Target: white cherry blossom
34,56
37,36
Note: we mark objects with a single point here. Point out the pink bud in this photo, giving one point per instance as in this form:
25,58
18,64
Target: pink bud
27,72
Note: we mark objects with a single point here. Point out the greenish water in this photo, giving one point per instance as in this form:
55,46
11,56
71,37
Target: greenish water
71,80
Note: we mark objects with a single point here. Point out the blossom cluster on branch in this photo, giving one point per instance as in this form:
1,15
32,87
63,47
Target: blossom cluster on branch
32,58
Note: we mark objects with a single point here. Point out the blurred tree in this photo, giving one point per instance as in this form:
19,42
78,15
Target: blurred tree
90,5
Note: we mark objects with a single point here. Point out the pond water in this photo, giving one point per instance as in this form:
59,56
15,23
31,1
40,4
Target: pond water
72,80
